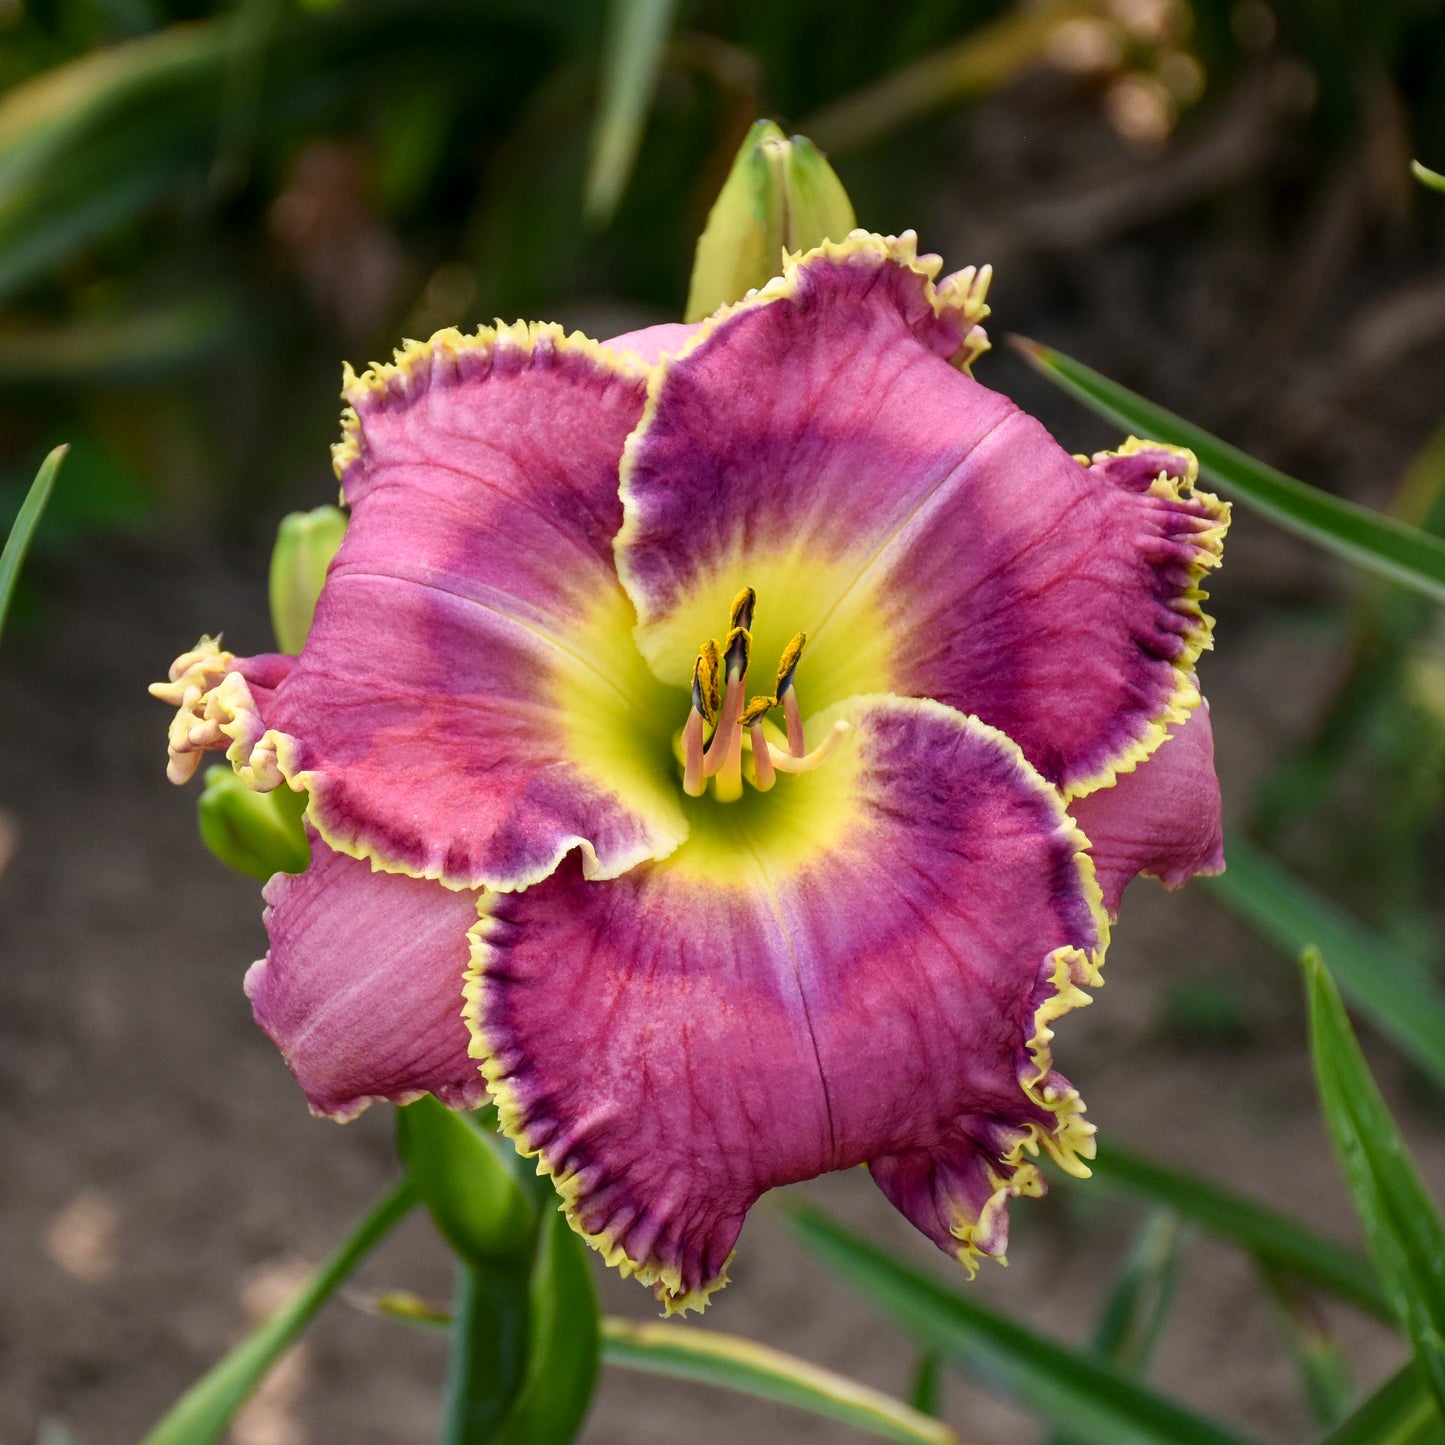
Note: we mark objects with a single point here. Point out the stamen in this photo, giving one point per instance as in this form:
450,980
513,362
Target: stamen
787,695
739,650
764,774
706,691
694,784
743,606
790,763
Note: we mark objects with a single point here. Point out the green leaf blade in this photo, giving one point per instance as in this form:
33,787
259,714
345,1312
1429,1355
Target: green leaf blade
1274,1238
632,57
686,1352
1388,988
1401,1412
1405,1233
1378,543
202,1415
21,534
1068,1390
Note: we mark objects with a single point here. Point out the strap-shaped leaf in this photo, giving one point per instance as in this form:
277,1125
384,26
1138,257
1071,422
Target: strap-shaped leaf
1388,988
749,1368
631,58
203,1414
1091,1400
1372,540
1404,1230
1401,1412
18,542
1275,1239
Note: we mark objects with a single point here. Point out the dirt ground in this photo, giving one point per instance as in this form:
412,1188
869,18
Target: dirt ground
161,1182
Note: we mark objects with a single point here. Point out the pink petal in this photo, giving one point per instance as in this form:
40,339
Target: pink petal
362,988
928,537
1161,819
859,966
469,699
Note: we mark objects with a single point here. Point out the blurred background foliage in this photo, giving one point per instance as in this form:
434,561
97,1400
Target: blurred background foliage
204,207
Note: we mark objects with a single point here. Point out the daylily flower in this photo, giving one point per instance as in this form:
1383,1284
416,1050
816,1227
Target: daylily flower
715,711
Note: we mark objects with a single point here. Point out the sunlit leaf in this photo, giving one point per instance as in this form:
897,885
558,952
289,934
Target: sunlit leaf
747,1367
1372,540
203,1414
631,58
1388,987
1091,1400
18,542
1404,1230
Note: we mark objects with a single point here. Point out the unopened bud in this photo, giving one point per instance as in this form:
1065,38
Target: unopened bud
781,195
255,833
305,544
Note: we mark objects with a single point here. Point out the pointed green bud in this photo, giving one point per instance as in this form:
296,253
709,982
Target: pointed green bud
781,195
257,834
305,544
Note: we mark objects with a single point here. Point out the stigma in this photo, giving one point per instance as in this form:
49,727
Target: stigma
725,740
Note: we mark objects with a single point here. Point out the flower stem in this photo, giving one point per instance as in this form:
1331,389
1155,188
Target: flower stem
488,1352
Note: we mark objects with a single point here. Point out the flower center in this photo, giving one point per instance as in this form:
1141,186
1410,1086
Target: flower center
740,724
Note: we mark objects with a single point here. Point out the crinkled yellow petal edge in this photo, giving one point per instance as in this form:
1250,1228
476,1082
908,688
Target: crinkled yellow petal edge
665,1279
961,295
1069,1140
408,373
224,699
1198,639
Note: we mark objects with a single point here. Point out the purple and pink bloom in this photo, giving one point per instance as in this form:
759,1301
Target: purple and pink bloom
725,747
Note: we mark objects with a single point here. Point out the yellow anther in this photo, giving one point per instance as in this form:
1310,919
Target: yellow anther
739,652
743,605
706,687
788,663
757,709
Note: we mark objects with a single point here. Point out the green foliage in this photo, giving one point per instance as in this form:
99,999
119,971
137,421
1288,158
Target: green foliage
1405,1233
18,542
257,834
464,1178
749,1368
1376,542
1074,1392
631,58
203,1414
1389,988
1275,1239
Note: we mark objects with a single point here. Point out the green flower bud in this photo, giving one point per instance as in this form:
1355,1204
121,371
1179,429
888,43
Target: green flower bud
781,195
305,544
255,833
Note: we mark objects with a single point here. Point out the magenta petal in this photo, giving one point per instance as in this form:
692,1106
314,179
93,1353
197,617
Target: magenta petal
860,966
454,711
362,987
1161,819
928,537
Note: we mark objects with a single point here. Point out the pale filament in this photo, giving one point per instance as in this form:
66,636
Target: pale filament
718,696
